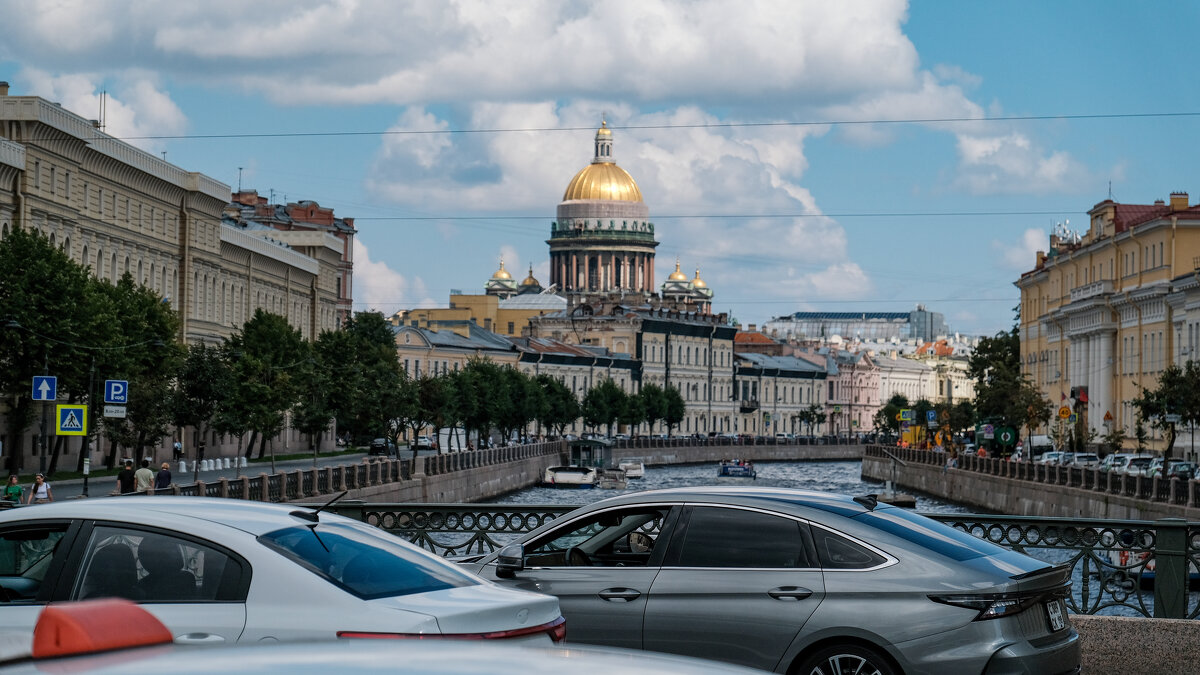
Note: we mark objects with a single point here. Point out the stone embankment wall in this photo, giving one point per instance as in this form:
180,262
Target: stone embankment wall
1017,497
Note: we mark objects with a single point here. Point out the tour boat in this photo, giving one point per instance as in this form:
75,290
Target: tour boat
569,477
737,468
633,466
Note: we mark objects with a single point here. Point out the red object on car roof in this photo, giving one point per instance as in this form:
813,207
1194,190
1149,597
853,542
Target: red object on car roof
95,626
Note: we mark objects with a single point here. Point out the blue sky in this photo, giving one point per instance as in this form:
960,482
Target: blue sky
813,217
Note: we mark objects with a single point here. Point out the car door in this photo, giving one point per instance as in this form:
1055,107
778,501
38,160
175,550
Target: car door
600,566
196,588
32,561
737,584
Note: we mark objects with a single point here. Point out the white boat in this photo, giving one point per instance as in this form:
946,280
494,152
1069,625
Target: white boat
569,477
633,467
736,469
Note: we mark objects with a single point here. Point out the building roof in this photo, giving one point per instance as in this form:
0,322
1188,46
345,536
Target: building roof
547,301
748,338
783,363
477,338
849,316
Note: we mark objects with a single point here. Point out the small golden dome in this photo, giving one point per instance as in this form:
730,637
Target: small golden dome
502,273
677,275
604,130
698,282
603,180
529,280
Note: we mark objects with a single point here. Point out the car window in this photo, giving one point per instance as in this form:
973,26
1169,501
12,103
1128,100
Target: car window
612,538
726,537
938,537
839,553
151,566
25,557
365,562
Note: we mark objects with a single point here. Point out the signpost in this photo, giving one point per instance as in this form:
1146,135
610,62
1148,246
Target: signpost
1064,412
72,419
45,388
116,392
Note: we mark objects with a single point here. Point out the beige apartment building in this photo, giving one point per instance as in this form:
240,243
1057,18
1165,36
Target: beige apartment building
1106,310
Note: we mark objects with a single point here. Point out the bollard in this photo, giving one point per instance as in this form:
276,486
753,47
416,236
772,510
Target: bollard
183,466
227,464
206,465
242,461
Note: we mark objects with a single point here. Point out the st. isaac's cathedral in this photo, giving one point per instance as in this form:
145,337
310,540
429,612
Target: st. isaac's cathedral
602,244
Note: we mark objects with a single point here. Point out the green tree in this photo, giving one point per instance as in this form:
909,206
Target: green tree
562,408
1176,399
654,404
603,404
202,381
888,417
313,413
267,353
675,408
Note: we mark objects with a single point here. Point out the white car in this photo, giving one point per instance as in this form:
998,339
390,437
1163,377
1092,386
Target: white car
1087,460
1137,466
223,571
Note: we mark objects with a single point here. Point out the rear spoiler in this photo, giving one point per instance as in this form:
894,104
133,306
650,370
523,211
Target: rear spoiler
1063,569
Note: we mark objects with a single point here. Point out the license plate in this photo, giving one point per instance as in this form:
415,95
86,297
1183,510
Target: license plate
1057,615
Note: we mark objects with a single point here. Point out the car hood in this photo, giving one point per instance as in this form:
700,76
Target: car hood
478,608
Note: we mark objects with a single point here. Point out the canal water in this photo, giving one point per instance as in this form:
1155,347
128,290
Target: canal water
828,476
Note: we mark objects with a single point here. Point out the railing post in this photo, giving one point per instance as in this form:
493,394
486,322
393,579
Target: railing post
1170,568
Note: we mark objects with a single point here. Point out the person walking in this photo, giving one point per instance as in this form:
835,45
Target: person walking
13,491
162,480
40,492
125,479
144,478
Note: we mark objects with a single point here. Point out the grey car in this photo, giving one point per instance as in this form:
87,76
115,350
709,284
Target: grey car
794,582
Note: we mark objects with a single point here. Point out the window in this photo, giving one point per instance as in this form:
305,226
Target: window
839,553
725,537
149,566
614,538
363,562
944,539
25,557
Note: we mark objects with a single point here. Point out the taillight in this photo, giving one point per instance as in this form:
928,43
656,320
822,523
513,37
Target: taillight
991,605
556,630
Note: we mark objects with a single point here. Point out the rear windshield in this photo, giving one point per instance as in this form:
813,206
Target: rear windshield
938,537
363,562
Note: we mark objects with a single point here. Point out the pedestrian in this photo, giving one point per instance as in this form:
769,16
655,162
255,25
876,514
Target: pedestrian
144,478
13,491
178,450
125,479
40,492
162,480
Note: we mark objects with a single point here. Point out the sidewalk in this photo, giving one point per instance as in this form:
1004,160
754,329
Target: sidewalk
103,486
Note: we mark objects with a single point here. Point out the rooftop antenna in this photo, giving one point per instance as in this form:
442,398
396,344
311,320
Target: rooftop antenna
239,179
103,106
1110,189
164,155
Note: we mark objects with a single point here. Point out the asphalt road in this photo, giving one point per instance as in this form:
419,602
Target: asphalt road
104,485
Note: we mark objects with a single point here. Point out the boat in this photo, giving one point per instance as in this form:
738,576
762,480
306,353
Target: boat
736,468
633,467
611,479
569,477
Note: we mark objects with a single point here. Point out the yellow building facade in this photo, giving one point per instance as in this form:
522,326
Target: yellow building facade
1106,310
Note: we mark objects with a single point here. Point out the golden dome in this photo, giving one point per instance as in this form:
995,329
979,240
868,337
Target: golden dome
604,130
677,275
603,180
529,280
502,273
698,282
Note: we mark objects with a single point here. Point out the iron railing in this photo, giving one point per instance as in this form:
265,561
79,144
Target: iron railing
1132,568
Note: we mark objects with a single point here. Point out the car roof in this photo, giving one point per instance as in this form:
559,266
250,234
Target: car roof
253,517
823,501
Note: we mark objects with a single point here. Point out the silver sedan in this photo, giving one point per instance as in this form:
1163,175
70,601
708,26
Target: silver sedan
794,582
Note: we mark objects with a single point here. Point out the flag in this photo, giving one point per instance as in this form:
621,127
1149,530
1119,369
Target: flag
1064,397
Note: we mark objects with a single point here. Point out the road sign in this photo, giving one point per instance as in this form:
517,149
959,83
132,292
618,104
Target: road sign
1073,418
1108,416
1064,412
45,387
1172,418
114,411
72,420
907,415
837,408
116,391
989,431
1007,436
931,415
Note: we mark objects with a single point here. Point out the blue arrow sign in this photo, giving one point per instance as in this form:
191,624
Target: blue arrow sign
116,392
45,387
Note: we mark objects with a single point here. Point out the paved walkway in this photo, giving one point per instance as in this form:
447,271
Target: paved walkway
102,486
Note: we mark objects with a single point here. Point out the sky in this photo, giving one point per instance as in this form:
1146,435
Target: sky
803,155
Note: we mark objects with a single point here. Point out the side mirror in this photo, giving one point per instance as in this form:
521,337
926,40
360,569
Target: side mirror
510,560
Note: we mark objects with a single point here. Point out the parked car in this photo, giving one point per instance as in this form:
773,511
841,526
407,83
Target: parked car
423,443
1176,468
225,570
1087,460
382,446
1137,465
117,638
794,581
1052,457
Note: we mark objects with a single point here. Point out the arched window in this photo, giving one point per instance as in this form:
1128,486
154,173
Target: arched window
112,267
4,233
67,246
52,239
85,255
140,279
126,265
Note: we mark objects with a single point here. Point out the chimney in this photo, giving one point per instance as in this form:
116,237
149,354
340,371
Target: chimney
3,89
753,328
1179,201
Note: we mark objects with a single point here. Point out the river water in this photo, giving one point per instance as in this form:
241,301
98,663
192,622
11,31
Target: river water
828,476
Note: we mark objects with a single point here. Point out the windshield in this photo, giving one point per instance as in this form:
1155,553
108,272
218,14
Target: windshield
364,562
938,537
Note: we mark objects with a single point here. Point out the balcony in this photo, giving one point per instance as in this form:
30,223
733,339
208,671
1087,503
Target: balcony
1091,290
749,405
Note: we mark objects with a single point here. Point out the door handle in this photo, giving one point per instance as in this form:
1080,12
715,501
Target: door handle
789,593
620,594
199,639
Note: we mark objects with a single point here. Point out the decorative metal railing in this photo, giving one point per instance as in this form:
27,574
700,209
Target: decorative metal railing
1132,568
1163,490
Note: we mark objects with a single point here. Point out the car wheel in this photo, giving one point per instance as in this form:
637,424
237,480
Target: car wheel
844,660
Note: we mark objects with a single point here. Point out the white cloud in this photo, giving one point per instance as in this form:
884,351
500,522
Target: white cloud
1021,255
378,287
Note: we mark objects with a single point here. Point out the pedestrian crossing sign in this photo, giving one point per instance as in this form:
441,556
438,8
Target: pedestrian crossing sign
72,420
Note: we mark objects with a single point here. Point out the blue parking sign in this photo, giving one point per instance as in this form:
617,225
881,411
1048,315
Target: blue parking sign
116,392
